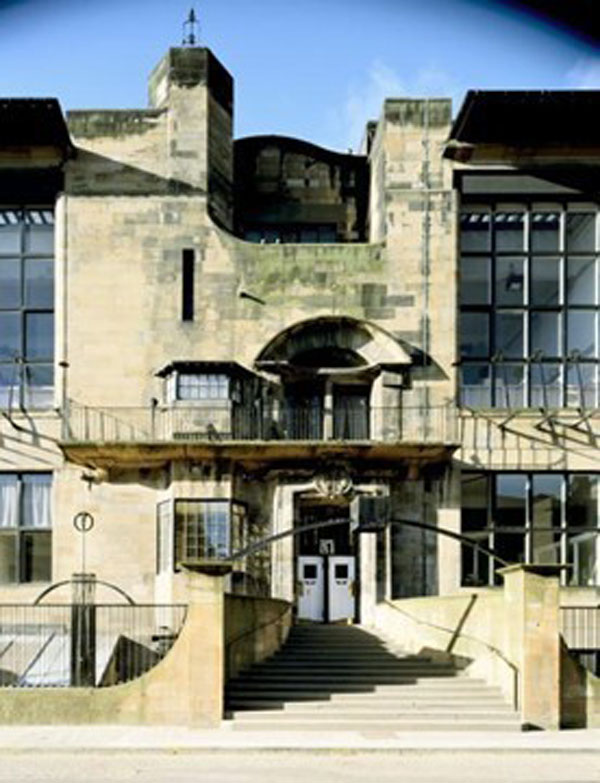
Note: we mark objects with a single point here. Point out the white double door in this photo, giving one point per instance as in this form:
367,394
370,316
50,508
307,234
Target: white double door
326,590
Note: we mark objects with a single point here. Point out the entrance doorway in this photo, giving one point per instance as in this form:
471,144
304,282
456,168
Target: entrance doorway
325,563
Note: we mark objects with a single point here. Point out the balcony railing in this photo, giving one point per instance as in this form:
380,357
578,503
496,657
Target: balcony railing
41,645
227,421
580,627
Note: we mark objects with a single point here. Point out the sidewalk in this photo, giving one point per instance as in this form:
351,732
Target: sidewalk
169,739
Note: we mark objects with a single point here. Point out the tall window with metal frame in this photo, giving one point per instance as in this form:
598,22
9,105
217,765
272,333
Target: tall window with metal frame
25,527
529,306
26,307
543,518
187,285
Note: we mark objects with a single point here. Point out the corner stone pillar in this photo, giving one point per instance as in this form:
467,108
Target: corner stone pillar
368,577
204,682
531,600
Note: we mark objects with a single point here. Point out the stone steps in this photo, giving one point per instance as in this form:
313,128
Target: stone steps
342,678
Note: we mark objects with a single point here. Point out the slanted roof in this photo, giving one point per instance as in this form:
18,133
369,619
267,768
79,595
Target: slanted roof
33,122
203,366
529,118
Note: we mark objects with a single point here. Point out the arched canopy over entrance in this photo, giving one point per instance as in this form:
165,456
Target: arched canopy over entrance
327,367
332,343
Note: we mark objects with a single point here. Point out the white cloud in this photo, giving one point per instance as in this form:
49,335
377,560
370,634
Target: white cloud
364,100
585,74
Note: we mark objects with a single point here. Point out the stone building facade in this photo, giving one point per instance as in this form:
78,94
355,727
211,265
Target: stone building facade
205,342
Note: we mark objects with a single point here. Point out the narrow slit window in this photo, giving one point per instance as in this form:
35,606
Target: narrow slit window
187,287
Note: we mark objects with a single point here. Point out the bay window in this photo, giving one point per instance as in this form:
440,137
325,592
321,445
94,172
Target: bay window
190,529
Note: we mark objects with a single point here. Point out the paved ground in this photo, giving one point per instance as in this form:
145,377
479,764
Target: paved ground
298,767
62,739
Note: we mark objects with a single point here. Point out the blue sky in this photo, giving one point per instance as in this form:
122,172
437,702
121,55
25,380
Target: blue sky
316,69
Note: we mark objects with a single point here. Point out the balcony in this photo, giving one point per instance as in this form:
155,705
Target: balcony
223,429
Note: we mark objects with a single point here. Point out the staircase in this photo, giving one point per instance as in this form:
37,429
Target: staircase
343,678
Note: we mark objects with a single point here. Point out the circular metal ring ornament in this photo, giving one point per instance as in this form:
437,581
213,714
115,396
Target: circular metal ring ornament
83,521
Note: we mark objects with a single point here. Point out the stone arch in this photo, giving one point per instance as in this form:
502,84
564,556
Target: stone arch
347,341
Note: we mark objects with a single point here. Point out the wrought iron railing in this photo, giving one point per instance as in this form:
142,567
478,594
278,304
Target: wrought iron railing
228,421
61,645
580,627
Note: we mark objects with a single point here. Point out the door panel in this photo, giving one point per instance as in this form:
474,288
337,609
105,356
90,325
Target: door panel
311,588
351,412
341,578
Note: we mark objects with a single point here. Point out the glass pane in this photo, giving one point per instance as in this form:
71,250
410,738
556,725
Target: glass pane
510,547
545,333
10,335
8,382
10,283
8,558
509,385
39,282
475,388
581,391
545,385
475,564
510,335
39,239
9,500
36,557
581,332
10,232
217,530
511,496
545,281
510,281
545,231
583,552
581,281
582,500
475,231
546,505
581,232
36,500
39,337
474,501
474,335
39,389
189,531
475,280
508,231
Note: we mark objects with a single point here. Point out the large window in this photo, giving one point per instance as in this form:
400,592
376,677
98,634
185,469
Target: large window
25,527
529,302
26,307
544,518
198,530
202,386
